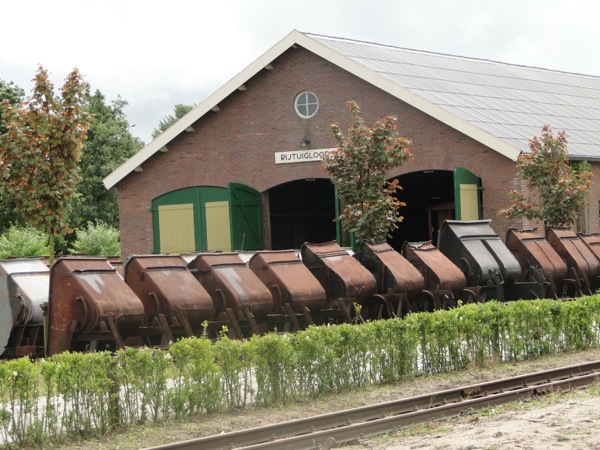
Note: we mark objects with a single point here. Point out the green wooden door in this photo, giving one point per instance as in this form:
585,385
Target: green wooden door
245,209
467,195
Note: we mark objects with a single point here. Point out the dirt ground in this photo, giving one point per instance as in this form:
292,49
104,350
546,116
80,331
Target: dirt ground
567,421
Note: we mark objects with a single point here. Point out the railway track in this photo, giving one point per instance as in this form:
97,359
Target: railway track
327,430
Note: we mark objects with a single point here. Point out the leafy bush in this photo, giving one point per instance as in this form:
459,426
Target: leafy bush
97,240
75,393
19,242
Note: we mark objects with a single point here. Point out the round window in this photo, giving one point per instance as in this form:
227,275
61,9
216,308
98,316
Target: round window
306,104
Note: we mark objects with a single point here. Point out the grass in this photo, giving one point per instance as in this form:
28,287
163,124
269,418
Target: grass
493,411
423,429
594,389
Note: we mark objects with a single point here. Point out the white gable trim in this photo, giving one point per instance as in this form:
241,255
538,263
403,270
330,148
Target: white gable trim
264,62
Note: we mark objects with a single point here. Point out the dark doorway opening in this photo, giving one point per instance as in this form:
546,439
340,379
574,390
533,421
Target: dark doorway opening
429,198
302,211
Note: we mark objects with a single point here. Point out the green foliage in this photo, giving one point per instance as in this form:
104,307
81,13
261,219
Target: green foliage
235,361
143,375
109,143
359,169
97,240
179,110
274,362
8,216
40,152
21,413
197,379
11,93
19,242
557,190
85,384
75,393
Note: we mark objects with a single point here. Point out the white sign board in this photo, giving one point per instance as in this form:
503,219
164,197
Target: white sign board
301,156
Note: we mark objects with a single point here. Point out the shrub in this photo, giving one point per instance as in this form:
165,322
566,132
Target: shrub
73,393
97,240
19,242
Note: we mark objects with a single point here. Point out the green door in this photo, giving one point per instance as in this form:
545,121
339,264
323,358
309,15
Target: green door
467,195
245,209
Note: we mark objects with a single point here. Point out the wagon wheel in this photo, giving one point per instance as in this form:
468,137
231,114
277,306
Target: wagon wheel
434,298
421,303
536,274
471,295
383,306
448,300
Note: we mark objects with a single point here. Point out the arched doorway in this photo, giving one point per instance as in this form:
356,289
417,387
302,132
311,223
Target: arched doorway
302,211
429,198
432,196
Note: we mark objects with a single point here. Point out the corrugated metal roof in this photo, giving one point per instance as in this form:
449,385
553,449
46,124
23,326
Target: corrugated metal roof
510,102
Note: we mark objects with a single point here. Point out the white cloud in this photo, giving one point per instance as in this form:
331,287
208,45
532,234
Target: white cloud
156,54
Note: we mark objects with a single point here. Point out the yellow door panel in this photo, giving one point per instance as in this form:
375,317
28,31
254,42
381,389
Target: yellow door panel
469,209
176,225
218,232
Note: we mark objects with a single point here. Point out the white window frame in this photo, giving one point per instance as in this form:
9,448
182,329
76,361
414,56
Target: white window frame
303,100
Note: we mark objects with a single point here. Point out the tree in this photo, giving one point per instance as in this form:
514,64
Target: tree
359,168
109,143
179,111
13,94
556,190
40,152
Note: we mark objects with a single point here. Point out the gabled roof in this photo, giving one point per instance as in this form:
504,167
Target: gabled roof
499,105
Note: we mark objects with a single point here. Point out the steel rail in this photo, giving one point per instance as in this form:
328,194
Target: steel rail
328,438
327,429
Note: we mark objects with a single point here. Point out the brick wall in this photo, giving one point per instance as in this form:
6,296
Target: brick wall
238,143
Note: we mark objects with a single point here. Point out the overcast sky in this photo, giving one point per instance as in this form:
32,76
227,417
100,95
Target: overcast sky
155,54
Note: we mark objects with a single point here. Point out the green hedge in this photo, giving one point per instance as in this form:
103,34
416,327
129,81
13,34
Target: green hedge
88,394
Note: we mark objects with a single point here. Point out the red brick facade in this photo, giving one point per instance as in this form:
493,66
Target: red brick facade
238,143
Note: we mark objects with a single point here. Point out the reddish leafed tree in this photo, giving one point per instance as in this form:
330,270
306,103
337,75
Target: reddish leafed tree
40,152
359,170
556,190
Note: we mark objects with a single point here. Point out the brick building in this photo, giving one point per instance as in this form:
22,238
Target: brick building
242,170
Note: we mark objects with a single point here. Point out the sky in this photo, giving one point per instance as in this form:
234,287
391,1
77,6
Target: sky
156,54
